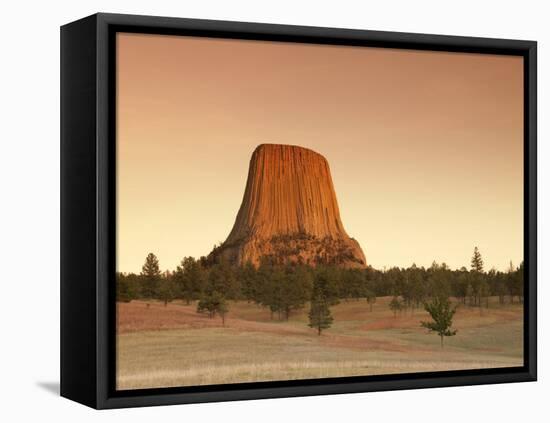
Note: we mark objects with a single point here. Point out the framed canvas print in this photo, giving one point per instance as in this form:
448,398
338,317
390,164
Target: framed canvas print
256,211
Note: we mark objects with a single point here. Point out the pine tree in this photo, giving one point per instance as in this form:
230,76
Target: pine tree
151,267
190,278
470,294
295,289
222,309
323,295
484,293
150,273
124,288
477,261
213,303
442,314
248,277
371,298
166,289
319,314
222,278
395,306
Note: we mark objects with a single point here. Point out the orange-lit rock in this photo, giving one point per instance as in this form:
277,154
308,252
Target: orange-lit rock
289,213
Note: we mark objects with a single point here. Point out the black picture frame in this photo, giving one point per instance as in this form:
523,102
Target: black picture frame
88,210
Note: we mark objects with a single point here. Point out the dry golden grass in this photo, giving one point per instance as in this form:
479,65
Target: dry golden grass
162,346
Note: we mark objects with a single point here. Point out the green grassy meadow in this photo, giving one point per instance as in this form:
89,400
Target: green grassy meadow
166,346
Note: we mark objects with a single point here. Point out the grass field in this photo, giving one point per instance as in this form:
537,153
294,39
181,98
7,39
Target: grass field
160,346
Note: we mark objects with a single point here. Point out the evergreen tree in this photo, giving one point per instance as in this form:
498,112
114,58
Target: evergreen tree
461,287
247,274
477,279
484,293
442,315
353,284
419,289
296,287
395,306
272,293
438,282
320,317
222,278
190,279
327,280
125,288
222,308
166,291
500,287
206,305
470,294
150,275
213,303
477,261
371,298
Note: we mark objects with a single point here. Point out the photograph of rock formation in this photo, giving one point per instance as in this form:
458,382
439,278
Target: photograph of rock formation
289,214
293,211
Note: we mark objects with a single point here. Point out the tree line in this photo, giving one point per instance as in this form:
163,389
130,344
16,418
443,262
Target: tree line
285,289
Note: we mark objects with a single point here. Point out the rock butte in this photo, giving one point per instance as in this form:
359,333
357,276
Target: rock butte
289,213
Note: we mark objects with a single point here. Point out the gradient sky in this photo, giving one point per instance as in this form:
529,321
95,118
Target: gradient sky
425,148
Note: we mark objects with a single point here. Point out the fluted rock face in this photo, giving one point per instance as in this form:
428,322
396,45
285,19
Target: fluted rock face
289,213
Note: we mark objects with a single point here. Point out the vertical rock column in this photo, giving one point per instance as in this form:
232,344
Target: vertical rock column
289,212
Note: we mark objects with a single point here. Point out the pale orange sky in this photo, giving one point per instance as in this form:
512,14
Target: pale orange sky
425,148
